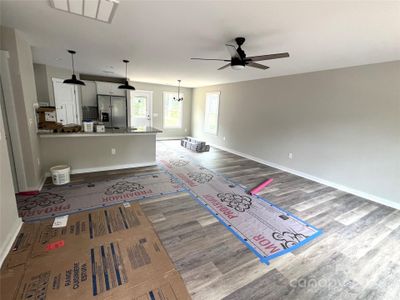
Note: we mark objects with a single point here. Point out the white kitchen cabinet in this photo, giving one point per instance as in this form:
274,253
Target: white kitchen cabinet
109,88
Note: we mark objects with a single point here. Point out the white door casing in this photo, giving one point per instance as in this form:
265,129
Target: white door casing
66,102
140,108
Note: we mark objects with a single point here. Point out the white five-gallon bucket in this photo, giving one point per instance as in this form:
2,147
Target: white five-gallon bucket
60,174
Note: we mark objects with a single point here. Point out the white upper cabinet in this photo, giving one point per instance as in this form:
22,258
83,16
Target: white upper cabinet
109,88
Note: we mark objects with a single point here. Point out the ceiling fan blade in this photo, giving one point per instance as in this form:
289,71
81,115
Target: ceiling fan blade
199,58
225,66
256,65
268,56
232,50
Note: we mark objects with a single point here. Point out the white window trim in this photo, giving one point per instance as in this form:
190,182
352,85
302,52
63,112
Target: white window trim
165,95
206,130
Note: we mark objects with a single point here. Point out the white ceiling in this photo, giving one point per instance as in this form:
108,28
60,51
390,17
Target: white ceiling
160,37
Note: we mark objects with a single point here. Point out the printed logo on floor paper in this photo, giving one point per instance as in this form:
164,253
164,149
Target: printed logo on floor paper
288,239
178,162
238,202
200,177
122,187
42,200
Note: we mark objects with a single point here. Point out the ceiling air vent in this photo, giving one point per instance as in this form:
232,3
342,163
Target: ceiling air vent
101,10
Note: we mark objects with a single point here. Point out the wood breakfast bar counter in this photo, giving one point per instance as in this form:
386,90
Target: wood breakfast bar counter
99,151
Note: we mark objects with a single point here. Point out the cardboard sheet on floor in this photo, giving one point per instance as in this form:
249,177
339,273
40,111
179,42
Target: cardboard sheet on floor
124,261
61,200
21,249
107,253
10,281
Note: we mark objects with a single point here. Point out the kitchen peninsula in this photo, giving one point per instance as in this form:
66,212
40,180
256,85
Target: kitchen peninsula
99,151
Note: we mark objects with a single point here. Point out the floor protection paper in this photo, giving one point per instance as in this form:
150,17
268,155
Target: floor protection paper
66,199
266,229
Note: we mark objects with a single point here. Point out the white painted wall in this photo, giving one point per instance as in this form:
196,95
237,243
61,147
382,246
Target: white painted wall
25,99
342,126
9,220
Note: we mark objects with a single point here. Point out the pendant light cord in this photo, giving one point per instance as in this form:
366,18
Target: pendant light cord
73,64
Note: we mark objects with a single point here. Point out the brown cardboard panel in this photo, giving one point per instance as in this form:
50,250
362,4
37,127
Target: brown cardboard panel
110,264
84,228
22,247
166,286
10,281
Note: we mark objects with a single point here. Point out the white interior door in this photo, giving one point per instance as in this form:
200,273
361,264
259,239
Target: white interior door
140,108
66,102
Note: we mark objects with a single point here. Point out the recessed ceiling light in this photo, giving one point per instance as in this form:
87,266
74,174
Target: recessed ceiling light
101,10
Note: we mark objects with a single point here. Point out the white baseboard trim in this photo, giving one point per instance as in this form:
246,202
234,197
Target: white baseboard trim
169,138
40,186
109,168
335,185
9,240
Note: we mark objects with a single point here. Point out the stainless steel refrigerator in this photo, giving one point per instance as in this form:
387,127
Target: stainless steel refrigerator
112,111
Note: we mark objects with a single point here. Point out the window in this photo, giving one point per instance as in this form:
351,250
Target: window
173,110
211,112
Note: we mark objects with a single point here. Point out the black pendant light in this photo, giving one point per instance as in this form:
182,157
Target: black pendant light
126,85
179,92
73,79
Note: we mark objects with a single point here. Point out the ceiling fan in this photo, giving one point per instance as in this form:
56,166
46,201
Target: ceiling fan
239,60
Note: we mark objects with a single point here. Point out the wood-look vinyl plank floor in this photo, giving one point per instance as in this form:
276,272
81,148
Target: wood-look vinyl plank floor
357,256
351,260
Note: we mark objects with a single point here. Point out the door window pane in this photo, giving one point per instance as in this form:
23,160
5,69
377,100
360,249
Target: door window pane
139,106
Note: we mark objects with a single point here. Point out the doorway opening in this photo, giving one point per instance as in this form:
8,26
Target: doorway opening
66,102
140,111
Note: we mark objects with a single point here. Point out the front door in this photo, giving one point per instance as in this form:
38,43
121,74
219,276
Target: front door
66,102
140,108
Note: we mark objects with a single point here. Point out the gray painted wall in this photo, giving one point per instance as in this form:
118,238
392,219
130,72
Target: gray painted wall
25,97
95,152
341,125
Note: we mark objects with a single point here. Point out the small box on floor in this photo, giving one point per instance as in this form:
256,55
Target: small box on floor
195,144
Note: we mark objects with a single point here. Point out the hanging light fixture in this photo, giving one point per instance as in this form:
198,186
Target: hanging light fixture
73,79
126,85
179,92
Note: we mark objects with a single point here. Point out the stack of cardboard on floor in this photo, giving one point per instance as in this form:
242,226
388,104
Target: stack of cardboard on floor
194,144
109,253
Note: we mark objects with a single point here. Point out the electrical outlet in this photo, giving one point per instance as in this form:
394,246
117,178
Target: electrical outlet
38,161
224,138
185,129
113,151
290,155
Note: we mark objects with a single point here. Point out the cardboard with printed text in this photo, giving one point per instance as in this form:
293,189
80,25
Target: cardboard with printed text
112,265
86,227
